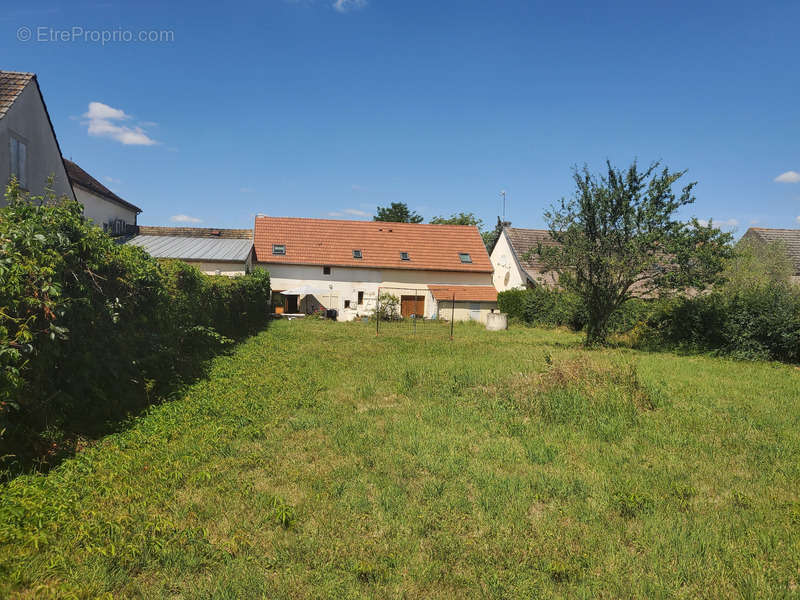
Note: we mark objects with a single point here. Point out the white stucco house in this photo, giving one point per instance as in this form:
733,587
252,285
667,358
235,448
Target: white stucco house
213,251
345,265
28,145
30,151
105,208
515,262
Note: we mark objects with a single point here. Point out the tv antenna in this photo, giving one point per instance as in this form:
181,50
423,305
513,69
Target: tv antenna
503,194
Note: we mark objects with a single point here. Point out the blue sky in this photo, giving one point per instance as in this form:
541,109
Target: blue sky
323,108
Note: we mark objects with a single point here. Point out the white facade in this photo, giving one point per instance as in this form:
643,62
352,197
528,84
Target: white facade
345,286
508,273
102,210
28,124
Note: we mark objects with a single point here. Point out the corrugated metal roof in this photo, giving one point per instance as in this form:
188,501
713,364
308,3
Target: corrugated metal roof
190,248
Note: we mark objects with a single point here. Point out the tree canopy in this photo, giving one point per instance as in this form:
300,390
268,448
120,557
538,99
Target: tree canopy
619,236
397,212
460,218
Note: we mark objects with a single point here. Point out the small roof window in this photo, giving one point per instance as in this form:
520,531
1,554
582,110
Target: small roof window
404,256
357,254
279,249
465,257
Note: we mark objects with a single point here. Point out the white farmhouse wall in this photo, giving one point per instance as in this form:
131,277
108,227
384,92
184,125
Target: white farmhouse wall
508,273
100,210
344,283
27,120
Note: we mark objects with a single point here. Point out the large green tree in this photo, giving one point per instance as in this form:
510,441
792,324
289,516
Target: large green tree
620,236
489,237
397,212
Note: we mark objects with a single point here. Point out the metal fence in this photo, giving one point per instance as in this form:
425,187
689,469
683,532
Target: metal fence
413,312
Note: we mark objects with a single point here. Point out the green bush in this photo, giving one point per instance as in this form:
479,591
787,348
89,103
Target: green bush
92,330
758,322
543,307
512,302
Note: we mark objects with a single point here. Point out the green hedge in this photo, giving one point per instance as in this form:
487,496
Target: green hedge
543,307
756,322
92,330
760,322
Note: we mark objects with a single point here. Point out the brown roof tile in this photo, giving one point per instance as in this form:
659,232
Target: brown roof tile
196,232
475,293
11,85
331,242
527,240
789,237
78,176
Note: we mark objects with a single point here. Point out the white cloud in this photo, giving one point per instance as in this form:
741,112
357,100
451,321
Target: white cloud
798,219
184,219
111,179
754,221
788,177
105,121
344,6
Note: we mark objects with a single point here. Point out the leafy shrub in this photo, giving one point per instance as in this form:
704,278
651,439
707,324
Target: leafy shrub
543,306
758,322
91,330
388,307
512,302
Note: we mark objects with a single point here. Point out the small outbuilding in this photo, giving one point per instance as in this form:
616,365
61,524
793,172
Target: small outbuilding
464,302
213,251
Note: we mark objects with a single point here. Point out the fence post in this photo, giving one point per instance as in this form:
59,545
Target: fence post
452,317
416,310
378,314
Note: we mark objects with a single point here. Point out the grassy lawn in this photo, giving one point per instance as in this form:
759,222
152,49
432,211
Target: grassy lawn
320,461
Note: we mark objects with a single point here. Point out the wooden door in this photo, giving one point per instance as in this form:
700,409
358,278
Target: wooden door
291,304
412,305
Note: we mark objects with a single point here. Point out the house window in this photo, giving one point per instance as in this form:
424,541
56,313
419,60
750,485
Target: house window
404,256
278,249
360,298
347,303
19,161
326,270
357,254
465,257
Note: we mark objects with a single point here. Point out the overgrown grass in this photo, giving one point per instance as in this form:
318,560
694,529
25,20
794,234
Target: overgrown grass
322,461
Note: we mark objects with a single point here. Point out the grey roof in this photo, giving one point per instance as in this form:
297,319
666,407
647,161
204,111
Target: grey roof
789,237
194,248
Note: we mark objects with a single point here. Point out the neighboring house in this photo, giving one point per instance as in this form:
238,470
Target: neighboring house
213,251
100,204
790,238
345,265
28,145
515,262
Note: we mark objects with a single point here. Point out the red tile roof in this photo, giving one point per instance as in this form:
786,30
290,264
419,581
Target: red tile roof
475,293
331,242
